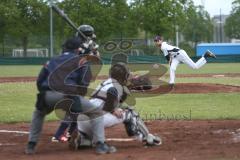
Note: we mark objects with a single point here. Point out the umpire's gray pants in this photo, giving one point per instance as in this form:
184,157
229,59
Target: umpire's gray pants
87,108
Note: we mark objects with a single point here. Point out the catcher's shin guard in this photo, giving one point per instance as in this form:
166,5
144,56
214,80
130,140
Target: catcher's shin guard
78,140
85,141
135,127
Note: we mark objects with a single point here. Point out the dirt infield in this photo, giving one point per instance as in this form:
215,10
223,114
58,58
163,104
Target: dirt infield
182,140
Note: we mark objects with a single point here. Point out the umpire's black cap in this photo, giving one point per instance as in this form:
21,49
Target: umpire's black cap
71,44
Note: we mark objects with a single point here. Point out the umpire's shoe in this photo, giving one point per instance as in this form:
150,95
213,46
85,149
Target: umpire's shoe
103,148
74,140
209,54
30,148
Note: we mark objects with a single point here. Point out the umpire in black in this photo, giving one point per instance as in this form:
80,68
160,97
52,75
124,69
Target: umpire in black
65,76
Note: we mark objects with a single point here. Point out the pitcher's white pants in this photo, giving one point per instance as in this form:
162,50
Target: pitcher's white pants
184,58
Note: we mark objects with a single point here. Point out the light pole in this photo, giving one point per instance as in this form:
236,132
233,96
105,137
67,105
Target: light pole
220,26
51,29
177,35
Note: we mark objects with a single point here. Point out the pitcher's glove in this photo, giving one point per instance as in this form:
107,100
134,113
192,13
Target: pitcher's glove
140,83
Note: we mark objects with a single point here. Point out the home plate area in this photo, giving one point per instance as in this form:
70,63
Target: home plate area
195,140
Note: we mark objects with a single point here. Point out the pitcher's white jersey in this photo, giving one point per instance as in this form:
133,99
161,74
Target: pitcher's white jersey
168,49
178,56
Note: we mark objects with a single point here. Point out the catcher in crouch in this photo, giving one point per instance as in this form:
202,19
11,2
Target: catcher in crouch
109,95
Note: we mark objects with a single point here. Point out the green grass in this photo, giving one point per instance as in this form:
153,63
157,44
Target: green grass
19,70
201,106
33,70
17,100
210,68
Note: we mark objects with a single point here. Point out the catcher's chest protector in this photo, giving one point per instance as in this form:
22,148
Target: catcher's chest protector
101,91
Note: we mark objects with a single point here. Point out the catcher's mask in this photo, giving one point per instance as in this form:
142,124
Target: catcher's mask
120,72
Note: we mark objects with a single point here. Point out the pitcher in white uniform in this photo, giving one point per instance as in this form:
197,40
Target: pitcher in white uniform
175,55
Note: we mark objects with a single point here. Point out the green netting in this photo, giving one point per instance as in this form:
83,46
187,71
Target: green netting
107,60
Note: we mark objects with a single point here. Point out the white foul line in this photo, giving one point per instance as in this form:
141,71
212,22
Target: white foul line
120,139
108,139
8,144
20,132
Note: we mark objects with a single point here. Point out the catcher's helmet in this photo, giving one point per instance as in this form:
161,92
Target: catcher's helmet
120,72
87,30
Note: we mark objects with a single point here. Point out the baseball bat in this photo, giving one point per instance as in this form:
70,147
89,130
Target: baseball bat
68,20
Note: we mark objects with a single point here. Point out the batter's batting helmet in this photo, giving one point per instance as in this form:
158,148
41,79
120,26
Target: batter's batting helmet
87,30
120,72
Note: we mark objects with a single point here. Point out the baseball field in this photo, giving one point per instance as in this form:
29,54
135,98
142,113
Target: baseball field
199,119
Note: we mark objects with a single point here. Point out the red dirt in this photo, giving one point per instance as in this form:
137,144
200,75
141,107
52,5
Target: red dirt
29,79
182,88
17,79
179,88
182,140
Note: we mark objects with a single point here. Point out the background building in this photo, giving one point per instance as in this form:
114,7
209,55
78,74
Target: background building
218,32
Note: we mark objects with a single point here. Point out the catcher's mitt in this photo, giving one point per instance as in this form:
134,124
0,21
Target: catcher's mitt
140,83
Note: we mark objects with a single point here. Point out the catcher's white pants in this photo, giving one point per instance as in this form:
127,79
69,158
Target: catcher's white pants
184,58
109,119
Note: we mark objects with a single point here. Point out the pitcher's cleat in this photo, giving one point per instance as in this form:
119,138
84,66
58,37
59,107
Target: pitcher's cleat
171,85
209,54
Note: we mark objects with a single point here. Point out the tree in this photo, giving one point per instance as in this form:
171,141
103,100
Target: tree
109,17
27,17
160,17
199,26
4,12
231,26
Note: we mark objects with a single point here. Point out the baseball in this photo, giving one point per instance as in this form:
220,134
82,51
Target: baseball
156,66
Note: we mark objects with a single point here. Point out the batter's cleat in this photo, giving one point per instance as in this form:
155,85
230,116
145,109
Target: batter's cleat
209,54
54,140
30,148
63,138
74,140
103,148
